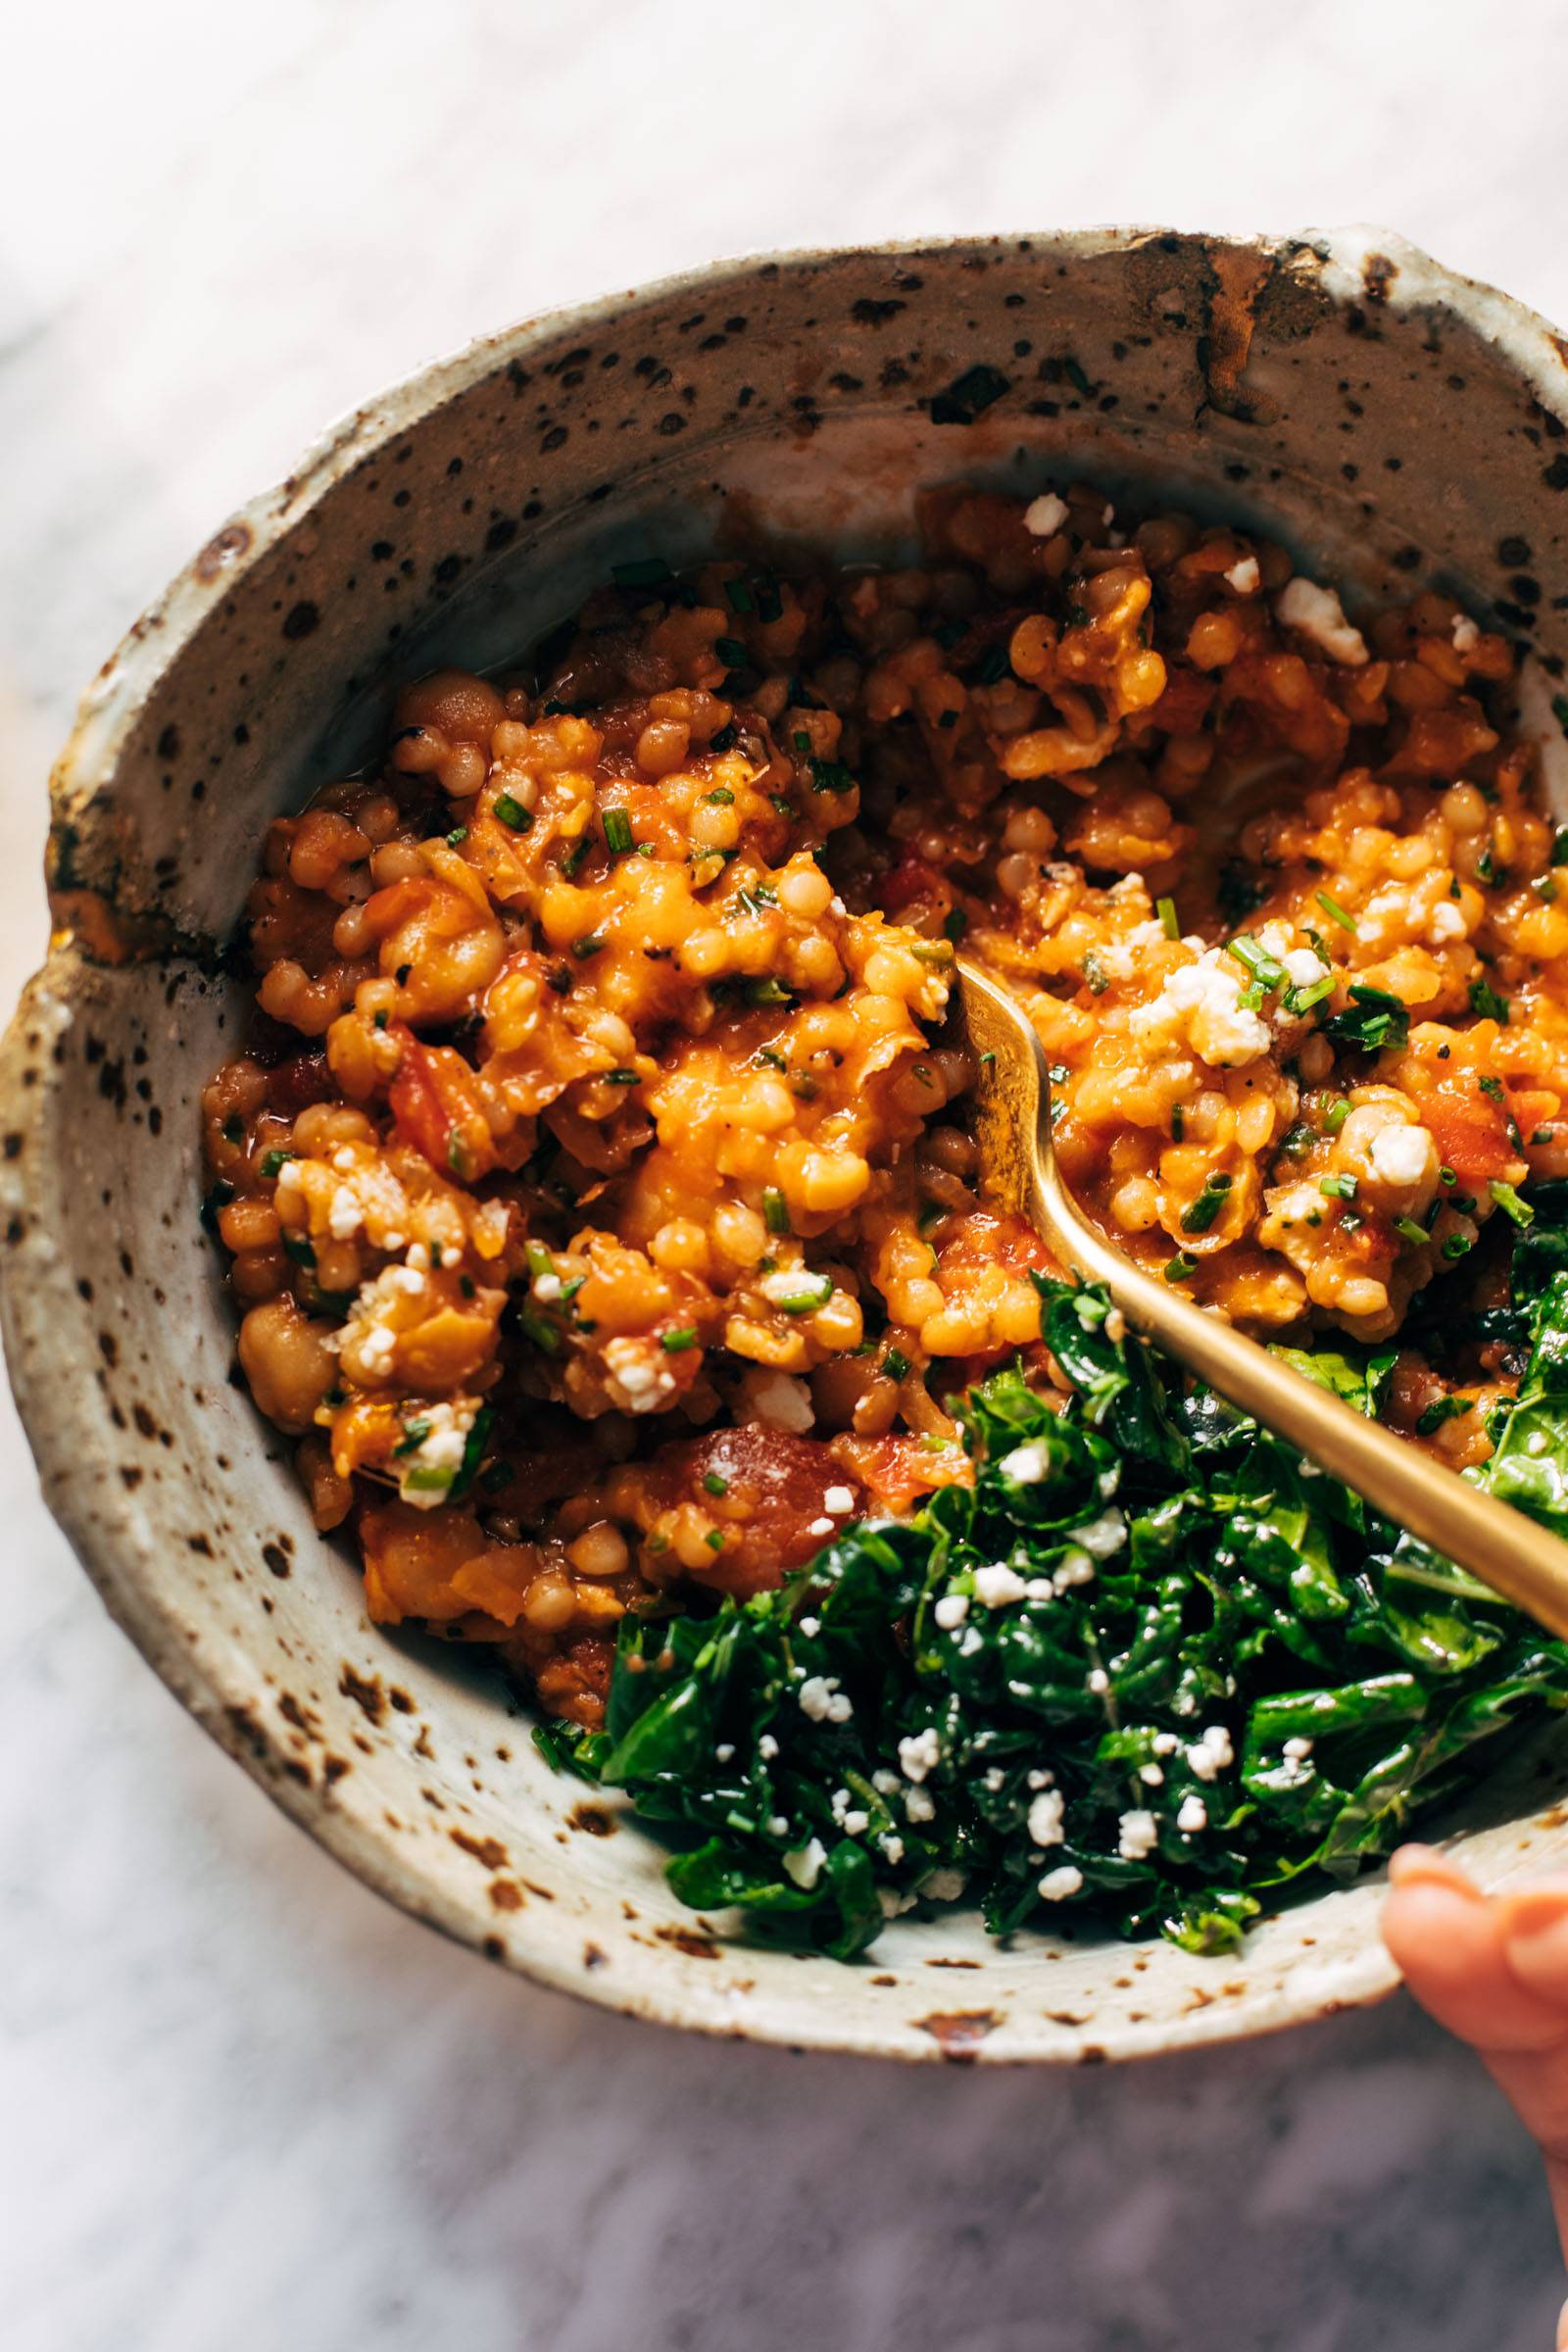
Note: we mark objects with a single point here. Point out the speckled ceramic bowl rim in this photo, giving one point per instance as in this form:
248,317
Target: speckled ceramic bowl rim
217,1692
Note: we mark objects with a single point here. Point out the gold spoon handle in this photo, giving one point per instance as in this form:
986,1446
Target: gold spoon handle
1508,1553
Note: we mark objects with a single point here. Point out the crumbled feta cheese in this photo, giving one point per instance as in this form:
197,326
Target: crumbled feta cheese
1164,1744
1152,1775
1036,1779
1403,1155
1025,1465
885,1782
1046,1818
891,1846
1211,1753
839,1498
767,1747
820,1527
777,1824
1466,636
919,1753
950,1611
406,1279
1302,966
1200,1004
1075,1567
547,1289
344,1216
1243,575
1298,1749
855,1822
995,1779
1318,613
779,1401
823,1700
893,1902
1445,922
1193,1817
1103,1535
418,1257
921,1805
1099,1680
1046,1588
1059,1883
944,1885
1044,515
1140,1835
805,1864
724,1752
998,1585
637,1382
343,1158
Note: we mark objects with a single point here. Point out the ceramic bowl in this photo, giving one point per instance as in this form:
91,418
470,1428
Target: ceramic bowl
1388,418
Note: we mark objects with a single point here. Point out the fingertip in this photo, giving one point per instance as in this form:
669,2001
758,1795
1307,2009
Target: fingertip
1425,1865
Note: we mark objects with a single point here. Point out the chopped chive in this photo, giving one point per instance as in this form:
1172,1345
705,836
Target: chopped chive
617,833
222,1193
1456,1245
1335,1116
1416,1235
271,1161
732,653
623,1078
1559,846
767,992
296,1247
714,1482
458,835
1447,1175
534,1327
1492,1086
1200,1214
647,572
1256,958
1508,1201
1484,1000
956,925
458,1156
539,1259
1303,999
401,974
1333,908
1177,1122
577,854
511,812
714,1539
415,1434
831,775
589,945
721,796
932,950
233,1128
737,596
1178,1267
775,1211
1165,909
991,667
1336,1187
781,807
676,1342
423,1480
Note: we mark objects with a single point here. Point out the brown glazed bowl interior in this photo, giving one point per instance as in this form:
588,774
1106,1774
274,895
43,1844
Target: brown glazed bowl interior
1393,422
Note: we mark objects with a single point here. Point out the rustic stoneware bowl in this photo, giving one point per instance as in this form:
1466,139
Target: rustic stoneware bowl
1390,419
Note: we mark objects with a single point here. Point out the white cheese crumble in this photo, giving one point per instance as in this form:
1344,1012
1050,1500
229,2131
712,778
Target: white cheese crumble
1101,1537
891,1846
767,1747
1244,576
804,1865
839,1498
1302,966
636,1381
777,1824
1044,515
724,1752
797,1282
1211,1753
996,1586
950,1611
1403,1155
1319,615
944,1885
344,1216
1298,1749
1074,1568
1446,922
1200,1004
1140,1835
547,1289
820,1527
1025,1465
1164,1744
893,1902
823,1700
1152,1776
1193,1817
919,1805
1059,1883
1466,635
1046,1818
780,1401
1099,1680
919,1753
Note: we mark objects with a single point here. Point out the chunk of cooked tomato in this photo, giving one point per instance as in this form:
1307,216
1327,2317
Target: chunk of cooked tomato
1471,1133
765,1491
434,1107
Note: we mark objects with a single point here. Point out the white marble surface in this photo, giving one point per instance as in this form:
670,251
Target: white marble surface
244,2104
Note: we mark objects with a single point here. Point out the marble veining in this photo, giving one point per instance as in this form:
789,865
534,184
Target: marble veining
245,2103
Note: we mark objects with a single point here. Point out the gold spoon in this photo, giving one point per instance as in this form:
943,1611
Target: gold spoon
1496,1543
